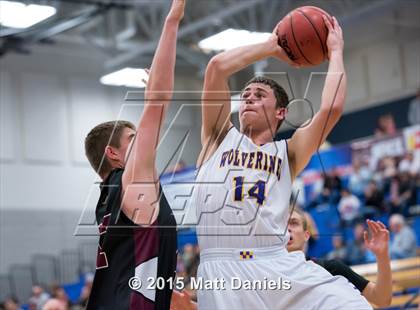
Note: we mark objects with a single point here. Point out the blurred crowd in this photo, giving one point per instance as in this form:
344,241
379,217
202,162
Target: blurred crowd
391,188
390,193
187,264
55,298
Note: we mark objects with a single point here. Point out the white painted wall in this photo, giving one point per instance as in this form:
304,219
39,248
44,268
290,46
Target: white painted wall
48,103
45,116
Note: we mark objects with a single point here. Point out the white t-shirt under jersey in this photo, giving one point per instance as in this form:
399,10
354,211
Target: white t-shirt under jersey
242,193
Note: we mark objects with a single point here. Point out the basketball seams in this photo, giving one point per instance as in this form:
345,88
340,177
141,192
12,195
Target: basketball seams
323,13
296,43
316,31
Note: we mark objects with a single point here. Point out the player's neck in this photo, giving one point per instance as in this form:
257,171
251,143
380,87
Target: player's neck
259,137
105,175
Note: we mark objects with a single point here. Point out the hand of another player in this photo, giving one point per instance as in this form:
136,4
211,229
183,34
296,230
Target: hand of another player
379,238
177,10
335,41
182,301
277,52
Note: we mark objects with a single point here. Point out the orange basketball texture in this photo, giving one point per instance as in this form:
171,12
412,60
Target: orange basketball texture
303,35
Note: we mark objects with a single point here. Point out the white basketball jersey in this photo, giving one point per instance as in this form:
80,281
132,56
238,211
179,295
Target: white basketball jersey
242,194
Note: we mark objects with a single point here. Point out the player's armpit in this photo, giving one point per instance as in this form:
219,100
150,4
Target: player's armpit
140,202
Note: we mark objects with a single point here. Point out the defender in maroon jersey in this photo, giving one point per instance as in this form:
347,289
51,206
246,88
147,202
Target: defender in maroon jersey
138,243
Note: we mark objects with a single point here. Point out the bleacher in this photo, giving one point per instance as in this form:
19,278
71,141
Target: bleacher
66,270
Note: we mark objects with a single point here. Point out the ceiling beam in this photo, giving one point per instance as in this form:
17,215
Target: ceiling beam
183,32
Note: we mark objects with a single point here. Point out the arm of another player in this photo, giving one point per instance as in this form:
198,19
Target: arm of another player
306,140
379,293
216,93
140,177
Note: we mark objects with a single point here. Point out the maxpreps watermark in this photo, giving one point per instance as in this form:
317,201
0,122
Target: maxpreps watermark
198,283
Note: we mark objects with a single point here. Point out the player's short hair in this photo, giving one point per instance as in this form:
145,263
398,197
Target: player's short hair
302,216
102,135
282,99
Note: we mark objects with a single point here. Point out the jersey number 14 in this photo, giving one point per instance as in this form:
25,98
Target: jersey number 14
257,191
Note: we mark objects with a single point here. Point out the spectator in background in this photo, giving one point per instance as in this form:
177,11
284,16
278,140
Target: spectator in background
339,251
389,172
356,252
55,304
406,163
390,167
378,175
194,266
10,303
180,268
298,191
188,257
410,164
403,193
374,199
414,110
403,244
386,126
348,207
333,183
359,178
87,288
322,198
39,297
60,294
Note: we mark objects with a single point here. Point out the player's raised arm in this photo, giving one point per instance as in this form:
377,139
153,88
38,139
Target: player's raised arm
216,92
379,292
305,141
140,177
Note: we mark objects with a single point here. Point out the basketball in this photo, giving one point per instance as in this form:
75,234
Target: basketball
302,34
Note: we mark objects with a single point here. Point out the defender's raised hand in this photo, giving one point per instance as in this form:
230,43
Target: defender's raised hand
177,10
379,238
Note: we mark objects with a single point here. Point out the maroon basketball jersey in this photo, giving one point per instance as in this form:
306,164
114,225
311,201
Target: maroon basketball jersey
128,252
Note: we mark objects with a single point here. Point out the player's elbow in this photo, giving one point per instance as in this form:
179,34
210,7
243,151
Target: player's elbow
383,301
216,67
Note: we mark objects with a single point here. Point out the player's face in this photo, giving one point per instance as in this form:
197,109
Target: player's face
126,140
258,107
298,235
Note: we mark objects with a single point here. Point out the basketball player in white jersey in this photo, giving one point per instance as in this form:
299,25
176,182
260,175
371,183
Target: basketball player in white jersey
244,183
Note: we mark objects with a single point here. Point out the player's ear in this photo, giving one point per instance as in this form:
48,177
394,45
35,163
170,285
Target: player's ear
307,235
281,113
111,153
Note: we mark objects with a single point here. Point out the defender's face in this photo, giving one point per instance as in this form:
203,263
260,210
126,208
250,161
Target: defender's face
298,236
258,107
126,140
